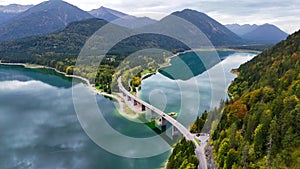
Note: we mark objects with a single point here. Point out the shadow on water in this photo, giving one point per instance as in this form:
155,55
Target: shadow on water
40,129
48,76
191,64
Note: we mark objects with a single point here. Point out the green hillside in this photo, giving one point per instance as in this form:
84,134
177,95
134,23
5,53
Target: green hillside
60,50
41,19
260,126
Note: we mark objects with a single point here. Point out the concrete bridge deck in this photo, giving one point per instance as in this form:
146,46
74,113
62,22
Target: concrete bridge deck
199,148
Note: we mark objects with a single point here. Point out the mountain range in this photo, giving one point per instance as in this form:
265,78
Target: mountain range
19,21
241,29
266,33
217,33
14,8
121,18
58,43
43,18
9,11
66,43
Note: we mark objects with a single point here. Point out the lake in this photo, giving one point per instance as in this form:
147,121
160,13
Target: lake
40,129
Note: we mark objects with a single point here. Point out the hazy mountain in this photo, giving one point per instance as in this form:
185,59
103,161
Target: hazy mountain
4,17
266,33
120,18
66,43
9,11
241,29
14,8
43,18
107,14
58,45
217,33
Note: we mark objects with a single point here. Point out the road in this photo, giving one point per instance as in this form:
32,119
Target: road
203,138
200,151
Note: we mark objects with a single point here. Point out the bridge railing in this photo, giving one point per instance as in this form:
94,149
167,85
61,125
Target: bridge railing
171,120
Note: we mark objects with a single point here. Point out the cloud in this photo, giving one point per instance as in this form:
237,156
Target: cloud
284,14
281,13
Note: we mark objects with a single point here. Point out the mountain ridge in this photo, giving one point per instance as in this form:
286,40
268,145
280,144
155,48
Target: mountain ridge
8,12
217,33
107,14
120,18
241,29
43,18
266,33
14,8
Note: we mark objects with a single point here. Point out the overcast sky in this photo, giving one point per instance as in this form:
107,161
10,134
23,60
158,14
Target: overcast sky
284,14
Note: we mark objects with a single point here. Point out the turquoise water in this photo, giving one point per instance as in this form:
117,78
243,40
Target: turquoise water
205,89
192,64
39,126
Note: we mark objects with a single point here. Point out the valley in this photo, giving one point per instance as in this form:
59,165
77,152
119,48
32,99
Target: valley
218,74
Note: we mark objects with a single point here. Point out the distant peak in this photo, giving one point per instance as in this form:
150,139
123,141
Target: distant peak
103,7
14,8
57,2
267,24
187,9
190,11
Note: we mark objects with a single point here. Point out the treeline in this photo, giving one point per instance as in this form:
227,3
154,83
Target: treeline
60,50
183,155
260,126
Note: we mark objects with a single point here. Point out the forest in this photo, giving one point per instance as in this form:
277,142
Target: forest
183,155
260,124
60,50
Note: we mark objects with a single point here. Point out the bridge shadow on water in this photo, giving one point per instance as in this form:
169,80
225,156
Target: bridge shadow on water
163,131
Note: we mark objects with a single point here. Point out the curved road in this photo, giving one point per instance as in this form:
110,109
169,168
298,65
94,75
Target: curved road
203,138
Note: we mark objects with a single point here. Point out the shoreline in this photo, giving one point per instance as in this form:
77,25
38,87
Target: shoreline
49,68
207,49
122,106
121,109
116,98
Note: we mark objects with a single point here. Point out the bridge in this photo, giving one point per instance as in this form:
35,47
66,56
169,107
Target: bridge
199,140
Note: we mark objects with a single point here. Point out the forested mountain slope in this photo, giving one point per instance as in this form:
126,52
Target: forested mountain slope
41,19
260,126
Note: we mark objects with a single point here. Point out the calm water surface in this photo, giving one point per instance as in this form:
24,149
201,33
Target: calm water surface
39,127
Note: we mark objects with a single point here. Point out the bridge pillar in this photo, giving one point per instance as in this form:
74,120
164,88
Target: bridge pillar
163,121
143,107
128,98
150,115
135,102
124,95
175,131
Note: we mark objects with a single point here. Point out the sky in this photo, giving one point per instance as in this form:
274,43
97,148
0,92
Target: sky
284,14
